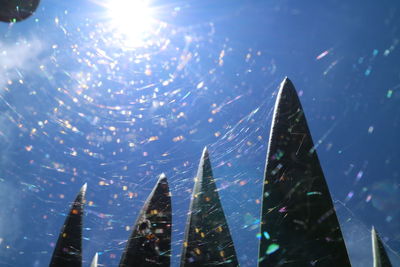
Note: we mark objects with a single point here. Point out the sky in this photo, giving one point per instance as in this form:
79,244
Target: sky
110,94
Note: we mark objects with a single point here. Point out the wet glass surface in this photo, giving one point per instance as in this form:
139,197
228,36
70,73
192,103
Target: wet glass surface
112,94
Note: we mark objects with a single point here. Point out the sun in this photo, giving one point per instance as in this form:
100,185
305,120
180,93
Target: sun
133,19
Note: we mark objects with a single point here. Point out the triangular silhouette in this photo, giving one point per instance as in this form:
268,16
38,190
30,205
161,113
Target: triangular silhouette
299,226
150,241
381,259
68,251
207,240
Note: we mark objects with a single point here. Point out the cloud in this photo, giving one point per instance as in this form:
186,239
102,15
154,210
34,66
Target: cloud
10,223
17,58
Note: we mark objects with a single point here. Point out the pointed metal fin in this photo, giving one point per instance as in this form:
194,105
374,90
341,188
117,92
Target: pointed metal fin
381,259
95,260
150,241
299,226
68,251
208,241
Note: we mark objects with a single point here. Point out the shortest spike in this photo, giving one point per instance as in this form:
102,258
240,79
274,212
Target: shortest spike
68,250
94,261
381,259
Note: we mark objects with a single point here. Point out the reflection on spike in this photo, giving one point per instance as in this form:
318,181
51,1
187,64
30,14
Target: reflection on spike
381,259
150,241
94,261
266,235
68,251
272,248
207,239
297,210
17,10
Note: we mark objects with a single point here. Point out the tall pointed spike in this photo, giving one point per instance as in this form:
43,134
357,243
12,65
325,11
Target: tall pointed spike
68,250
207,239
95,260
298,222
381,259
150,241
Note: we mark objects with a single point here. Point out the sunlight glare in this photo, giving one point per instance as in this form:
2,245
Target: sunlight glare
132,18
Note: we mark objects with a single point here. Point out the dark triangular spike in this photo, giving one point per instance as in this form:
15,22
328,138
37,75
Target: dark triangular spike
68,251
299,226
150,241
208,241
381,259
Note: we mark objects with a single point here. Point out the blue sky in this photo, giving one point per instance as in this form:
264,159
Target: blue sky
81,101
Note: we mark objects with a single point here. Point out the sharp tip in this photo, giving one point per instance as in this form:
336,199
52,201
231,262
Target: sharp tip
374,233
162,177
286,87
205,152
286,82
205,155
95,260
83,188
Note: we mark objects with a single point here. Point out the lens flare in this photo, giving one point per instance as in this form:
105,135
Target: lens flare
132,19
